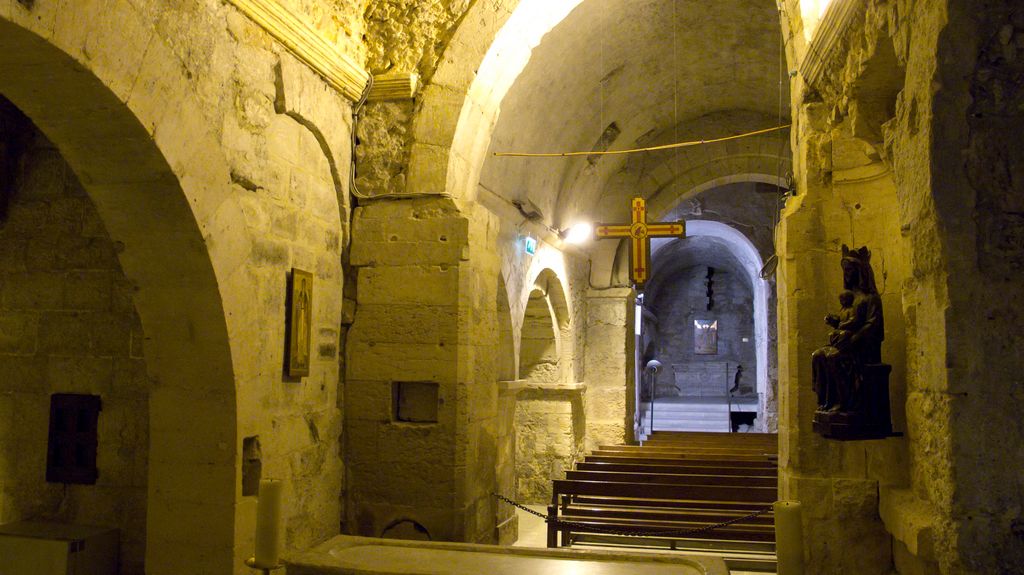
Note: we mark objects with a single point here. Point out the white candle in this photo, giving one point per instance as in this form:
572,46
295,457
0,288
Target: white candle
268,524
789,538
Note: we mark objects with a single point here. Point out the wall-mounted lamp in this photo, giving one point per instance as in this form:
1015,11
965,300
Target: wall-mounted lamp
578,233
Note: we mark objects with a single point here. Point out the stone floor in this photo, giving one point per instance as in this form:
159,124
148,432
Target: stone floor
533,533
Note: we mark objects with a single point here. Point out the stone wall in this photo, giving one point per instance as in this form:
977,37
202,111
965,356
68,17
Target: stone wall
540,341
67,325
219,162
683,300
988,506
401,36
929,87
550,428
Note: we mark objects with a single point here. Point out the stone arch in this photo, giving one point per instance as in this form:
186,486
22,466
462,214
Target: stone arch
540,340
719,173
546,284
137,142
508,365
744,252
452,129
548,400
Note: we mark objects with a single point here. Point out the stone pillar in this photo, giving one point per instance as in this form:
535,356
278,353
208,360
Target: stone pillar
427,275
610,365
507,520
830,478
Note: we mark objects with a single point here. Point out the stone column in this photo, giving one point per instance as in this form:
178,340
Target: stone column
610,364
844,533
427,275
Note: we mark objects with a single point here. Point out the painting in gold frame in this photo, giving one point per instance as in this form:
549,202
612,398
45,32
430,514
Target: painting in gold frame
300,316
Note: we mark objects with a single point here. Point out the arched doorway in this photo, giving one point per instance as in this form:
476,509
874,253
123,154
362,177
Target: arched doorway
701,316
70,335
548,412
540,342
145,209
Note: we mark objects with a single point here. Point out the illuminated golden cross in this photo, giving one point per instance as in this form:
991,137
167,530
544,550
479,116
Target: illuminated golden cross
640,233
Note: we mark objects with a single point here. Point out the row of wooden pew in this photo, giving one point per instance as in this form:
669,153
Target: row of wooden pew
657,494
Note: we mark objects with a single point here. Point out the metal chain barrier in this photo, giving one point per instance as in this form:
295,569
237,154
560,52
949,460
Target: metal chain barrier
649,533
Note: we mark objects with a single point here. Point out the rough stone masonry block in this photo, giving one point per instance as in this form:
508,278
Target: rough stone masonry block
32,291
427,285
21,372
410,323
87,375
88,290
428,169
18,333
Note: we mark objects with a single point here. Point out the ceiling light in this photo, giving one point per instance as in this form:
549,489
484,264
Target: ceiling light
579,233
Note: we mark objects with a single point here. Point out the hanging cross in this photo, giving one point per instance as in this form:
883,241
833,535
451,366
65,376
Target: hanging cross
640,232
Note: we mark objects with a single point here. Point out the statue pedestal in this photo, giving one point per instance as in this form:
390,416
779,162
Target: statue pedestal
872,421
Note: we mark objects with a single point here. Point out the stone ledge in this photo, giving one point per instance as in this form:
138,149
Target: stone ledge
610,293
362,555
910,520
519,385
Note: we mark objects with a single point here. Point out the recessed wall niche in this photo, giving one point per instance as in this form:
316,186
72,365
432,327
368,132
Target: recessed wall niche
71,446
252,466
415,401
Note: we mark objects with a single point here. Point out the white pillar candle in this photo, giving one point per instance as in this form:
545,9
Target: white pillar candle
268,524
789,538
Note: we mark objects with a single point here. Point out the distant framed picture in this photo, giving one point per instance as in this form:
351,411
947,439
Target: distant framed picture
300,316
705,337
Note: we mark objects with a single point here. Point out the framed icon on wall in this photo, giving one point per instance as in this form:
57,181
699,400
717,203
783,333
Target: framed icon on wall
300,320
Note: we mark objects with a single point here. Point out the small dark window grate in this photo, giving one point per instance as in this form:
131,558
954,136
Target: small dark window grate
71,451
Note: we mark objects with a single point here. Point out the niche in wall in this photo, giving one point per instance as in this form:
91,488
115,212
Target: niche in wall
72,442
415,401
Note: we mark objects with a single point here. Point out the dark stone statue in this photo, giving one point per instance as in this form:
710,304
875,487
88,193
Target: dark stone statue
849,377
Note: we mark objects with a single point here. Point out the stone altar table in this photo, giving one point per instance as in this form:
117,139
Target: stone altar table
344,555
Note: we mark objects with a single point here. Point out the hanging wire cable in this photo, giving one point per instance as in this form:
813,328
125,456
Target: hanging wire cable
357,111
675,84
769,266
638,150
357,114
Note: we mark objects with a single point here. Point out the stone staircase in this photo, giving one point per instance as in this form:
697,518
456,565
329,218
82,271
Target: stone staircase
684,414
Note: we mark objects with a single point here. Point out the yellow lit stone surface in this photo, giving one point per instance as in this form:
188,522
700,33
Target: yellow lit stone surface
194,160
362,555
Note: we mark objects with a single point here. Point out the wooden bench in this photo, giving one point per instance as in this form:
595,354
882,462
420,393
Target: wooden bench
645,477
602,503
668,489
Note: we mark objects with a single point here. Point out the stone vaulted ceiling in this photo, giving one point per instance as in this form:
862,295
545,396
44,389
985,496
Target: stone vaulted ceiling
661,71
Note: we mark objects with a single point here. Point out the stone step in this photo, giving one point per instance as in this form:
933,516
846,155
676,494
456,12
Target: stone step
688,416
690,404
691,424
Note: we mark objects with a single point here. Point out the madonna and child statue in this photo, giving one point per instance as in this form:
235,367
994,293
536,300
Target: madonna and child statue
849,378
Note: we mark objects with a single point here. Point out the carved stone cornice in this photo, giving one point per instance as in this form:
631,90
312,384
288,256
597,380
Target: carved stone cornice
829,46
394,86
308,45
